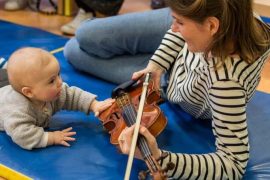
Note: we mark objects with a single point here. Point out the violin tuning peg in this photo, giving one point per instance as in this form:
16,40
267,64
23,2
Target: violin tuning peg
169,166
142,175
162,156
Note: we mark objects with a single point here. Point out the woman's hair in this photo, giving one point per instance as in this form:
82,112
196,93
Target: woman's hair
237,24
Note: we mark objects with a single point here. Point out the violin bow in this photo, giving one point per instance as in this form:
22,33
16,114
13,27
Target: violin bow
137,126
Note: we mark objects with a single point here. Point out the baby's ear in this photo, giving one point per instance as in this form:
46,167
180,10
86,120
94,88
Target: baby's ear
27,92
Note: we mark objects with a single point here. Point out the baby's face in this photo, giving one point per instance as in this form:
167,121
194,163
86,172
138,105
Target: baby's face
47,83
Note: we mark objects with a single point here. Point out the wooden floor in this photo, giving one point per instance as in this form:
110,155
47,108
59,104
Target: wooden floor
52,23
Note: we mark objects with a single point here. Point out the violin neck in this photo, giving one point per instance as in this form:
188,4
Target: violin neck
130,115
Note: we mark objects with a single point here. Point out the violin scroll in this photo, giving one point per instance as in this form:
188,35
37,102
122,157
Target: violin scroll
161,174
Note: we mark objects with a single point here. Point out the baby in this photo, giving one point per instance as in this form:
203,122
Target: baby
35,93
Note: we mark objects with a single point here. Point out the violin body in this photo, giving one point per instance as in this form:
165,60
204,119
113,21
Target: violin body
152,117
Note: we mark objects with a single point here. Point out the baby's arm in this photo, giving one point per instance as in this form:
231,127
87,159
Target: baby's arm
76,99
61,137
21,127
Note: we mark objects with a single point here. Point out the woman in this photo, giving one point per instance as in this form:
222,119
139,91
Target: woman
214,61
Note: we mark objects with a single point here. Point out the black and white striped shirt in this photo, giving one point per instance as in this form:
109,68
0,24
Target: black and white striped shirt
205,92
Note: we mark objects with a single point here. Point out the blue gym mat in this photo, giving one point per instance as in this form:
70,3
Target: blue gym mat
91,156
266,19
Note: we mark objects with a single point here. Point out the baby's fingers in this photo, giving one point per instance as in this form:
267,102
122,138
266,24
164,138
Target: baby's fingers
110,100
69,139
70,134
64,143
67,129
103,106
107,102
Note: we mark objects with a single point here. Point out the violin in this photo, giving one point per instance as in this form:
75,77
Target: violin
123,113
127,97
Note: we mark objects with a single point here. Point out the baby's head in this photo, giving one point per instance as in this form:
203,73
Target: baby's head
34,73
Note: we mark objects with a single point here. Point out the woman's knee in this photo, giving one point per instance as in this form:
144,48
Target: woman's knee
92,34
69,49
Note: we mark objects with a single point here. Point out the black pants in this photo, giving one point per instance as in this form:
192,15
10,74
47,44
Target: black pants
106,7
3,78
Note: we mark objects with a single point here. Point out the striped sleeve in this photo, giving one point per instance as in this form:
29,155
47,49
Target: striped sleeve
227,100
168,50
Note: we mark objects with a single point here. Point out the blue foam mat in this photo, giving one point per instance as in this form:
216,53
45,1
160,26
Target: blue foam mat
266,19
91,156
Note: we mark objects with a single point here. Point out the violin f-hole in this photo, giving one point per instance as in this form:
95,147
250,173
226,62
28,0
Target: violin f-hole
110,125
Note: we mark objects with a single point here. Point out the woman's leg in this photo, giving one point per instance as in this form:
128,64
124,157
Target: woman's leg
113,48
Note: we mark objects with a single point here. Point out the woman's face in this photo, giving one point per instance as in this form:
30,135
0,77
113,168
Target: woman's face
197,35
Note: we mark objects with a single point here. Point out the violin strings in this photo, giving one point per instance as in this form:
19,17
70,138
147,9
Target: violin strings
130,112
142,142
131,117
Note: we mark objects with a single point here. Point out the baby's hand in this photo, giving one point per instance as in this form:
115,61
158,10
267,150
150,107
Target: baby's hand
98,106
62,137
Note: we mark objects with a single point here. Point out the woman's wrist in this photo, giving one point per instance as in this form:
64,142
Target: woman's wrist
157,154
155,67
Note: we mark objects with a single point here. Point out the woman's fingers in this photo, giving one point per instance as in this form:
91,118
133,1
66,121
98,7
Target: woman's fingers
151,140
156,82
125,139
155,76
138,74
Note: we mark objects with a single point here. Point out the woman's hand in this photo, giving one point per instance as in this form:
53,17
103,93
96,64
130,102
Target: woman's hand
125,139
156,74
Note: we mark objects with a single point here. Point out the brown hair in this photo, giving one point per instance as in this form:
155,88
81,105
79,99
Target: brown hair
250,36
